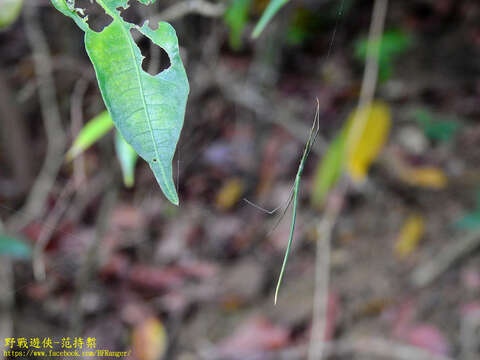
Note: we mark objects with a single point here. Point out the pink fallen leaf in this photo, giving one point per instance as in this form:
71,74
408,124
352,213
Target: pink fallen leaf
401,318
154,278
116,267
428,337
257,334
470,309
198,269
471,278
128,217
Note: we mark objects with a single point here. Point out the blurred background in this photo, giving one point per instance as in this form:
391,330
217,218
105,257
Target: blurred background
386,242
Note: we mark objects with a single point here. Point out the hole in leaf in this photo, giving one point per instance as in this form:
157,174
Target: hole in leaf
135,12
154,160
156,59
98,19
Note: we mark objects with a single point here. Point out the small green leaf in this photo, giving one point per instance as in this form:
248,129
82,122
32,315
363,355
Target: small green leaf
9,11
329,170
469,221
128,159
236,17
14,247
302,26
272,8
147,110
95,129
435,128
392,44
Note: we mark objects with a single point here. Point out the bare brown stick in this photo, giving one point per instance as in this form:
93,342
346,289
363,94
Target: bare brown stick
91,260
322,271
200,7
325,228
427,272
370,75
14,137
76,116
187,7
51,118
48,229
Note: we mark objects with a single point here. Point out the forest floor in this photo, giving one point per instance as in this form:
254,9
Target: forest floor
127,268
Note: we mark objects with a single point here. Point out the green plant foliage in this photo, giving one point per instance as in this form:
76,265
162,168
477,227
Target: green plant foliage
392,44
9,11
236,17
470,221
329,170
95,129
435,128
147,110
272,8
128,159
303,24
14,247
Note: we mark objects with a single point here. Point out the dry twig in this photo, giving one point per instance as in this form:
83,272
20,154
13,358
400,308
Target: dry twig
48,229
76,116
92,257
427,272
325,228
200,7
52,120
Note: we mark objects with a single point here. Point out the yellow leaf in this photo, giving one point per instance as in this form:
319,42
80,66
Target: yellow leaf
368,130
427,176
229,194
410,235
149,340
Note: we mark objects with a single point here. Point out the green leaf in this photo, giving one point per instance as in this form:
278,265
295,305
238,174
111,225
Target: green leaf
9,11
469,221
392,44
272,8
147,110
329,170
91,133
14,247
128,159
236,17
435,128
302,25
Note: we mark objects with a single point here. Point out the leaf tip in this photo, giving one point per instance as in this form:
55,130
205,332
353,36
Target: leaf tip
174,200
128,181
163,175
